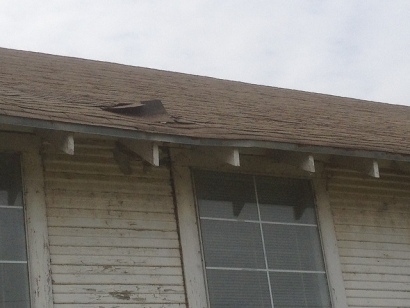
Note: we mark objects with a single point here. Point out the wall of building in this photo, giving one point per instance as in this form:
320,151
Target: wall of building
372,222
113,237
114,241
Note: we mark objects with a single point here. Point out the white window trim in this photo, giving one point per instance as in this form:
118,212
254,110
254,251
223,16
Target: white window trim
38,253
188,229
193,265
329,242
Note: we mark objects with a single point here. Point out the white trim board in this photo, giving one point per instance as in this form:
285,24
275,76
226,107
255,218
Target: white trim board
189,233
28,146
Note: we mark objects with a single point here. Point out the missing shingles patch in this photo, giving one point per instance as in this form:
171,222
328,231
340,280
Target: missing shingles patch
145,108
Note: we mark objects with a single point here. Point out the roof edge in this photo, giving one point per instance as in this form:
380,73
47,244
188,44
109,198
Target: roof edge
185,140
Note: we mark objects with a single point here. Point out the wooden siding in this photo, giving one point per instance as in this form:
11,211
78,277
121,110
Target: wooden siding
113,238
372,222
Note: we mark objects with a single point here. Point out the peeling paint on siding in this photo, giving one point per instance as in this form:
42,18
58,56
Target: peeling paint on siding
372,224
113,237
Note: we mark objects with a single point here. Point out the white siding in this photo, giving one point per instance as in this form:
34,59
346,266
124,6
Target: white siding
372,222
113,238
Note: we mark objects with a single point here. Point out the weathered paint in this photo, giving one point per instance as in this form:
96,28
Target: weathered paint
37,233
35,211
329,242
190,244
113,237
372,223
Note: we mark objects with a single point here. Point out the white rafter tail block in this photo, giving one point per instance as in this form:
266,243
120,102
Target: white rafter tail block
308,164
305,162
60,141
369,167
228,156
233,158
67,144
373,169
148,151
155,155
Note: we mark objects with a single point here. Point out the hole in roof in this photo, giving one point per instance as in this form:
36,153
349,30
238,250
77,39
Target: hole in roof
145,108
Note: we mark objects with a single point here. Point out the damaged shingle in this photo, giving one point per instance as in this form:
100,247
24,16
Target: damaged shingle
145,108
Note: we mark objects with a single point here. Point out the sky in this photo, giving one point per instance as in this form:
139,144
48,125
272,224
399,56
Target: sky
350,48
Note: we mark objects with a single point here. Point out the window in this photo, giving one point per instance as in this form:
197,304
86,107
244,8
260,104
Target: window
14,289
261,242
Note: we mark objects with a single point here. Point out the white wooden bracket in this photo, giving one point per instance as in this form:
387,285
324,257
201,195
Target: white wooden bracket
62,141
372,168
148,151
367,166
67,144
227,156
303,161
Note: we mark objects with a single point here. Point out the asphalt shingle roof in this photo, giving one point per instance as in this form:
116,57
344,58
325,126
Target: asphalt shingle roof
71,90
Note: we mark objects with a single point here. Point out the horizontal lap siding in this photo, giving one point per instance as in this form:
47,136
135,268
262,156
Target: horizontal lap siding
372,222
113,238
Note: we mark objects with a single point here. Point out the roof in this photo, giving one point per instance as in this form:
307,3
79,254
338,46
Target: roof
56,89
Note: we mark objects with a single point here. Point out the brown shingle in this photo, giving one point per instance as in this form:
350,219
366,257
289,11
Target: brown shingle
70,90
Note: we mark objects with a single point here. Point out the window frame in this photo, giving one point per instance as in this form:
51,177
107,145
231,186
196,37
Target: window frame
19,242
37,241
193,265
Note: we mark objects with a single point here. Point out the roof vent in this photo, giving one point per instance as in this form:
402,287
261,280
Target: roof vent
145,108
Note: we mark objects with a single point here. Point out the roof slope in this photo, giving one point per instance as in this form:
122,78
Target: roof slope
71,90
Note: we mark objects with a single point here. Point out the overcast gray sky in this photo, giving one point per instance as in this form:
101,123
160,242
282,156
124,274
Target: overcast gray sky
353,48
